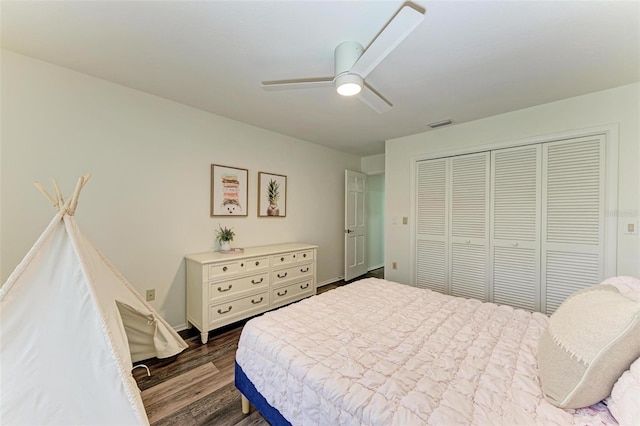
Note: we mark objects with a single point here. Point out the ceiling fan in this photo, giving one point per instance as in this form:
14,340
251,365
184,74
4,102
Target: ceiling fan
352,63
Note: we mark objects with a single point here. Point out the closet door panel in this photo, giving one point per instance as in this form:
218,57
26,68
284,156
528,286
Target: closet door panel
469,236
468,271
573,218
432,228
432,265
516,273
515,226
566,272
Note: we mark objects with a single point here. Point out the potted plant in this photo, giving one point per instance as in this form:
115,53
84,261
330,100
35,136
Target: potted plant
224,236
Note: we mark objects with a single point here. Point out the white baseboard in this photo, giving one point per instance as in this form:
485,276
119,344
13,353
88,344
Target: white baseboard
371,268
180,327
329,281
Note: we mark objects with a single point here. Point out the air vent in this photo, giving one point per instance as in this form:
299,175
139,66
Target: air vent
440,123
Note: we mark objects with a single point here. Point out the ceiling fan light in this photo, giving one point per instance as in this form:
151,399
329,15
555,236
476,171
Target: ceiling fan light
348,84
349,89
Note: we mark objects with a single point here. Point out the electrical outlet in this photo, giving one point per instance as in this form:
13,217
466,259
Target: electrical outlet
394,265
151,295
631,228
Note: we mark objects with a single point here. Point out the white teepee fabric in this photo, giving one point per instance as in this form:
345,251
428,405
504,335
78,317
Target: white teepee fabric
71,327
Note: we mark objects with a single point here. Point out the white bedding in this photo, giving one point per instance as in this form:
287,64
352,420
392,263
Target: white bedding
380,353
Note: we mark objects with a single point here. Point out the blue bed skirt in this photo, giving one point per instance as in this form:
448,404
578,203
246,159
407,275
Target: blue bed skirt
244,385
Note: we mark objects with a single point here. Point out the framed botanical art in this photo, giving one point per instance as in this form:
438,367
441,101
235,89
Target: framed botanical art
228,191
272,195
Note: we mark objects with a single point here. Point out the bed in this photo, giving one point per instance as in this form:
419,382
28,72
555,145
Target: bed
377,352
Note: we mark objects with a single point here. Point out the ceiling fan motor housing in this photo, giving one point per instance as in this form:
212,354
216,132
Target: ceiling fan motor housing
345,55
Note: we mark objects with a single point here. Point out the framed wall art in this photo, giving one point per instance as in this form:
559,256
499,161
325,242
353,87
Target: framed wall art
272,195
228,191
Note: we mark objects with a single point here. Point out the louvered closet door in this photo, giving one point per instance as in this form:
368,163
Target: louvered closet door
515,226
469,226
431,225
573,218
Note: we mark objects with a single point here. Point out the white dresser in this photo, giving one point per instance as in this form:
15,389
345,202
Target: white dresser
225,288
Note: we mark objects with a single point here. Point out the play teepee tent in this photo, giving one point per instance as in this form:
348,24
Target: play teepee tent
71,327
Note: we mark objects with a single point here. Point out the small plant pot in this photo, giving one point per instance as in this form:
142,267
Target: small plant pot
273,210
225,245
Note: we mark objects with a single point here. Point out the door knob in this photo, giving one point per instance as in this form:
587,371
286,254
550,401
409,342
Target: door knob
348,231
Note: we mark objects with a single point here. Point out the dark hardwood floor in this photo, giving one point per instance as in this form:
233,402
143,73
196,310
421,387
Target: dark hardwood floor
196,387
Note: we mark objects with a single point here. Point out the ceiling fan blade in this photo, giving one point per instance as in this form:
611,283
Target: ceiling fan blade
405,21
374,100
302,83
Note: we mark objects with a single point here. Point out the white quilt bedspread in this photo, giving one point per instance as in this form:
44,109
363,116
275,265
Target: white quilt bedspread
381,353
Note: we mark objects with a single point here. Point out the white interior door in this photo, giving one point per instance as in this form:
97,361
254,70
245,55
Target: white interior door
469,226
432,225
355,230
515,230
572,218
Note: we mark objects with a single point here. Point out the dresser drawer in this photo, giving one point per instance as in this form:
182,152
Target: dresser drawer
293,257
238,308
282,259
231,287
223,270
291,291
290,273
257,264
302,256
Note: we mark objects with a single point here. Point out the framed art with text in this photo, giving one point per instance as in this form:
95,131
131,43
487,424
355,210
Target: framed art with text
228,191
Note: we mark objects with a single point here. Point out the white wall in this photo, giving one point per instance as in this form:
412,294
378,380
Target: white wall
147,204
373,164
375,224
619,106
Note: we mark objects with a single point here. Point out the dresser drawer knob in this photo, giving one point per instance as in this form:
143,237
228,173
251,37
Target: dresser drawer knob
224,269
304,270
220,289
282,276
242,265
257,263
282,294
282,259
294,256
304,286
304,255
220,311
256,302
257,282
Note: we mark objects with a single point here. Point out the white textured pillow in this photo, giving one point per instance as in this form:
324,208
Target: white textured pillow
591,339
624,403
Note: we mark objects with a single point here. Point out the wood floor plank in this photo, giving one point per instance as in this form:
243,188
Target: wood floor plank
219,346
176,393
177,384
222,405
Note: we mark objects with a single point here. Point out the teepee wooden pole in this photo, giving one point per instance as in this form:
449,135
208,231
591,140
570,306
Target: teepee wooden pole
76,194
86,179
66,204
58,193
46,195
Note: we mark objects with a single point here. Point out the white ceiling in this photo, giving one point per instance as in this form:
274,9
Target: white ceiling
467,60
